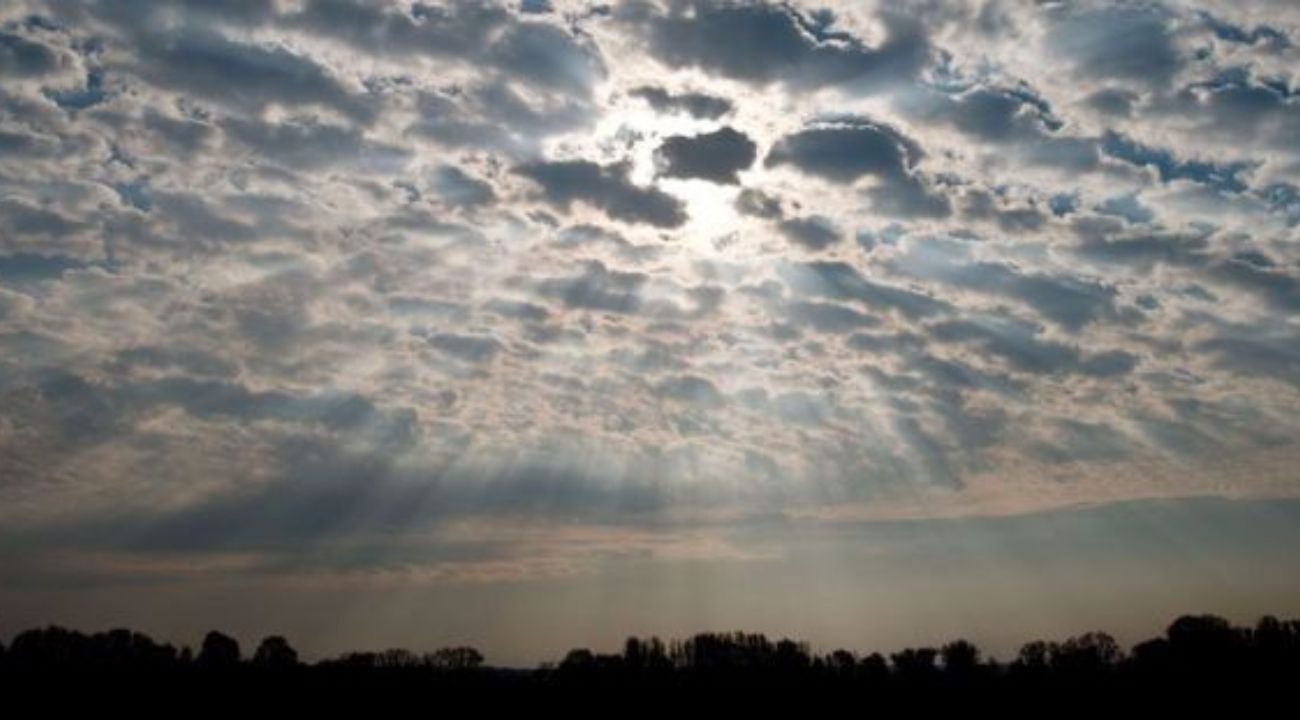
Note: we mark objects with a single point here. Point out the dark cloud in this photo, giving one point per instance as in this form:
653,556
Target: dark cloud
1238,106
813,233
598,239
1116,102
1110,241
314,145
25,144
1128,207
1277,287
1018,343
1263,35
1068,301
841,281
547,56
1121,41
828,317
846,151
248,76
470,348
27,227
184,134
987,113
763,42
700,105
597,288
517,309
75,99
757,203
606,187
982,205
443,30
485,34
496,116
216,398
85,411
27,57
690,389
22,268
852,148
1276,358
450,30
715,156
190,362
1220,177
456,187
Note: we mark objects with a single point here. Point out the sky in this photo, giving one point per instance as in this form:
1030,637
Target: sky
534,325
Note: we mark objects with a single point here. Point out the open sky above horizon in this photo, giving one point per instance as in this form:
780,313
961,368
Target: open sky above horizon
539,324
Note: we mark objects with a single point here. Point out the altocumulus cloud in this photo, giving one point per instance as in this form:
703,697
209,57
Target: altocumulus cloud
361,275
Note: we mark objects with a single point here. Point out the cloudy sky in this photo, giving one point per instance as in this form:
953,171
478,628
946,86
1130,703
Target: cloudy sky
542,323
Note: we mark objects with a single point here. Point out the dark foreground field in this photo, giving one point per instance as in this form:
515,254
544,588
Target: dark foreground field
1200,662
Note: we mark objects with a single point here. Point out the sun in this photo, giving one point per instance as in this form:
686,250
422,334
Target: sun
633,131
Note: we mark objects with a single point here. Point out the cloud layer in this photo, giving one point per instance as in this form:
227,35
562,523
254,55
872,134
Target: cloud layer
351,274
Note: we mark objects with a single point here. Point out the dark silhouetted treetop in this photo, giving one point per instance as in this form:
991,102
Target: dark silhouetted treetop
219,652
275,652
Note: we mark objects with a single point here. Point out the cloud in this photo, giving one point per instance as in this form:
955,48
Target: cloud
546,55
828,317
715,156
758,204
847,150
597,288
247,76
987,113
470,348
1017,343
453,30
1134,43
841,281
23,57
696,104
1225,178
358,275
813,233
762,42
606,187
459,188
1068,301
691,390
314,145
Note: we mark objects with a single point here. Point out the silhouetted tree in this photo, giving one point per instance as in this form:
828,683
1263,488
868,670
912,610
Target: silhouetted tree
578,660
645,655
842,662
1204,641
397,658
1199,657
455,658
960,657
1091,654
218,652
874,668
915,665
274,652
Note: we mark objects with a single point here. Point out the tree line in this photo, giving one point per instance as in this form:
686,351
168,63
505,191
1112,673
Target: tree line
1196,653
